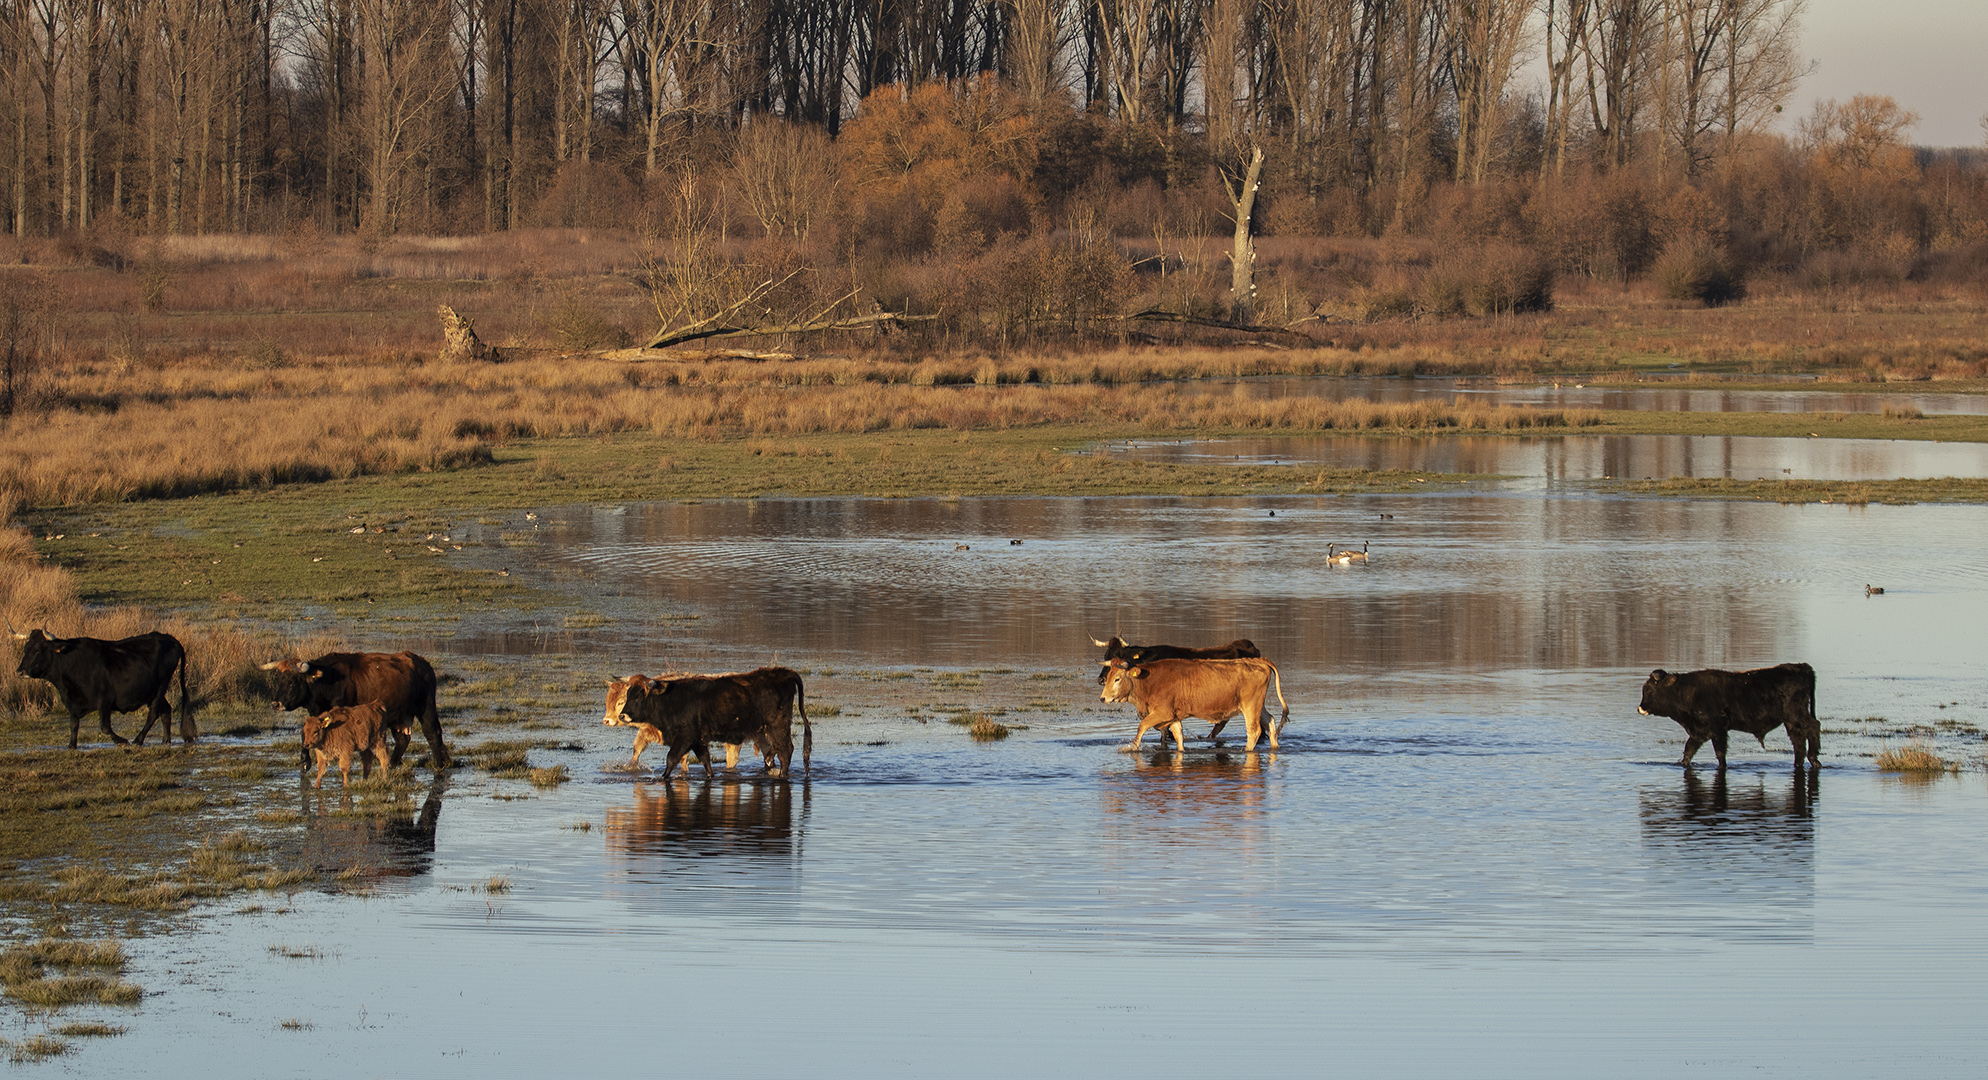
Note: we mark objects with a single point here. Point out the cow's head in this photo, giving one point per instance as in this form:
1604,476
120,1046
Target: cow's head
1118,676
1657,693
616,712
291,682
38,651
317,727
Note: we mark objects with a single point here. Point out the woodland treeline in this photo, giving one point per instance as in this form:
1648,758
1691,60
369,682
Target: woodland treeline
1593,134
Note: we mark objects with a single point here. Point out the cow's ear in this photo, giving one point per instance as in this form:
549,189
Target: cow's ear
315,675
64,647
1137,672
332,722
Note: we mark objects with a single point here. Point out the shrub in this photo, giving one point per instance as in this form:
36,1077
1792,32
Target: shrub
1695,270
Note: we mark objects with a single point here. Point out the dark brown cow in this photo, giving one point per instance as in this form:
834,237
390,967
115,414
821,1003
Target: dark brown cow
343,732
403,683
688,713
92,675
1710,703
1168,691
1119,649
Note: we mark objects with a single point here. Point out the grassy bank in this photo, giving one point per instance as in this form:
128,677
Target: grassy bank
290,549
1850,492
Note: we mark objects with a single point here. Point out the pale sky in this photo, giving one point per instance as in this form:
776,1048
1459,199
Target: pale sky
1929,55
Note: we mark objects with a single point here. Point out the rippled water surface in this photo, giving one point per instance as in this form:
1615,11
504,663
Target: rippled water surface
1552,460
1469,856
1699,397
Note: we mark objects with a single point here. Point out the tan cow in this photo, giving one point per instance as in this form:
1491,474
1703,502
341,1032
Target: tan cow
347,730
1168,691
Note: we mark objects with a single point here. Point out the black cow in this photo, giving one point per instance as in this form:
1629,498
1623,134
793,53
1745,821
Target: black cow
1118,649
403,683
93,675
688,713
1709,703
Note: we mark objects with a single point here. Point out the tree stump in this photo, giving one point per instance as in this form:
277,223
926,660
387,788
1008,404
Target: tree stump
460,341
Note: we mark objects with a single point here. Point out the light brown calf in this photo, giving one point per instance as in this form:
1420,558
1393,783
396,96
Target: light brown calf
347,730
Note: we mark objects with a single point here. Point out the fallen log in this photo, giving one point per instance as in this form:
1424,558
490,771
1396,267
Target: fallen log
667,338
1158,315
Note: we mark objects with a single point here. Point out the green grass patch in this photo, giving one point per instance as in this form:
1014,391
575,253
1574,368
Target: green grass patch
1842,492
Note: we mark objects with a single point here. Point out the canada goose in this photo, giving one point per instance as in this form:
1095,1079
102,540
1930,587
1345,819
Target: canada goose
1347,557
1873,590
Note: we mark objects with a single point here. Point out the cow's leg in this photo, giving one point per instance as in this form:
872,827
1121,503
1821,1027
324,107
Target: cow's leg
1178,731
732,757
1215,733
1139,736
704,755
345,768
1691,745
380,751
324,760
75,726
402,735
642,741
366,764
103,721
431,729
1719,747
675,757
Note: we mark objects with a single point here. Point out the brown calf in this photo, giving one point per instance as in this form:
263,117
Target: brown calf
344,731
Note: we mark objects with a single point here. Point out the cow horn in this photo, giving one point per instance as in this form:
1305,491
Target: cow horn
1101,644
271,666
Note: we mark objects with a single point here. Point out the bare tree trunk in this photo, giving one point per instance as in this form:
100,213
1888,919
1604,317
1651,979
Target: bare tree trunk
1242,256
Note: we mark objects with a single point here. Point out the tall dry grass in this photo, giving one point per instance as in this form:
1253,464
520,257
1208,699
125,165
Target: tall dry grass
190,430
221,659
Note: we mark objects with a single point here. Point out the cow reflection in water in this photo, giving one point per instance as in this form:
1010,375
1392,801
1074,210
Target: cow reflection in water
1198,791
706,820
394,841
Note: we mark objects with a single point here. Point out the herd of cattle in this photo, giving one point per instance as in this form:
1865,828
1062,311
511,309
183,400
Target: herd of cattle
358,703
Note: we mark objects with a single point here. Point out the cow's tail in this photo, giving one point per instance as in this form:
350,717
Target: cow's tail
1286,718
807,729
188,730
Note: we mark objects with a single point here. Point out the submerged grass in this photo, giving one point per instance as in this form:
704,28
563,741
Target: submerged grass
35,974
1916,757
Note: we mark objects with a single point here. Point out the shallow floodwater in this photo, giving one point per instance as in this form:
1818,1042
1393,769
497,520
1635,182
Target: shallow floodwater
1469,856
1555,459
1658,397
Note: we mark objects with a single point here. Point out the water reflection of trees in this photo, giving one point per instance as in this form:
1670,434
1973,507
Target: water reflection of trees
375,843
1535,584
1739,848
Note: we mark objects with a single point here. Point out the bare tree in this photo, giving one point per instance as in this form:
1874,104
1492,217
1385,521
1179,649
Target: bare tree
1564,30
785,172
27,307
408,71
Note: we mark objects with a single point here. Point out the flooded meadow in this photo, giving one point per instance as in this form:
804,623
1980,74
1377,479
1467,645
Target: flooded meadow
1468,855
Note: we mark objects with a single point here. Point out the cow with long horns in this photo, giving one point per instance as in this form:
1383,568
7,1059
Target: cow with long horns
403,683
105,677
1120,649
1165,692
